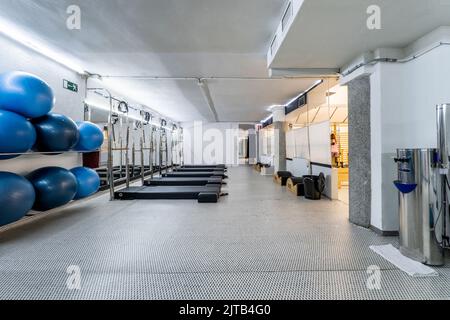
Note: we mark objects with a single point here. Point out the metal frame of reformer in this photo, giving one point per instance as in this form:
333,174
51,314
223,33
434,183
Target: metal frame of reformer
199,169
176,146
165,163
218,166
207,193
189,181
177,174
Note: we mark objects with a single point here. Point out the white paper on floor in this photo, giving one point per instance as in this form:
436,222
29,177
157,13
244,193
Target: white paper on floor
410,266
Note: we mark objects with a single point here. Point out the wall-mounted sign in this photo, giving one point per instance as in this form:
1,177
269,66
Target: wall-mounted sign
70,85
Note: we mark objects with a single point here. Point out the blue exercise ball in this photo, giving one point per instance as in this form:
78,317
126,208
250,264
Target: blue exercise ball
17,134
91,137
54,187
88,182
55,132
16,197
26,94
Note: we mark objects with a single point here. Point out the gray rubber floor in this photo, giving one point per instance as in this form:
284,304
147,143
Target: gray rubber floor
260,242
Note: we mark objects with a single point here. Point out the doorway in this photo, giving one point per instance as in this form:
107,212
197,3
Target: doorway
338,102
246,144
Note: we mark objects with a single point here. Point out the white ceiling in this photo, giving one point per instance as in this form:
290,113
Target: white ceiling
232,98
171,38
331,33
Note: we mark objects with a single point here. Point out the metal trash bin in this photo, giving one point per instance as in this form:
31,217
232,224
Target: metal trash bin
314,186
420,221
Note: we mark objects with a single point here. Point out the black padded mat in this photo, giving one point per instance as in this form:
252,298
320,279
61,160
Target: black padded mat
168,181
165,192
202,169
195,174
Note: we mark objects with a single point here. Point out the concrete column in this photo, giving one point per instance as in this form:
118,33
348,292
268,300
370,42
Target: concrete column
279,114
252,146
359,151
258,143
279,118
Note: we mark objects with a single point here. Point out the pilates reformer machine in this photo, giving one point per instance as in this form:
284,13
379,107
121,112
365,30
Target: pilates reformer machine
163,145
202,186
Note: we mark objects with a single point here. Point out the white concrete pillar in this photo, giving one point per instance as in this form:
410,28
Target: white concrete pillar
279,114
279,118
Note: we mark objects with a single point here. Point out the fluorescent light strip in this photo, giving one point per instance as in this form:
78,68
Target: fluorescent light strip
306,91
274,106
97,106
106,108
266,119
14,33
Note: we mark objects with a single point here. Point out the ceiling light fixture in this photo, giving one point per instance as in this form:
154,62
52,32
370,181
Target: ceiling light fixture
270,109
106,108
208,98
266,119
15,33
274,106
96,105
306,91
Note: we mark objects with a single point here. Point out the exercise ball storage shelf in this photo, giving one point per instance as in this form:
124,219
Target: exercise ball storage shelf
73,186
44,153
35,215
86,188
29,127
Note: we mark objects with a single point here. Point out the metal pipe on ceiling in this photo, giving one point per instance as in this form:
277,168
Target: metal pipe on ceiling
393,60
207,94
134,77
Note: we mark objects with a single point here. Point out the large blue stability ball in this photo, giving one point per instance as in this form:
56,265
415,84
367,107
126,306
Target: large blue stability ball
91,137
88,182
54,187
17,134
55,132
26,94
16,197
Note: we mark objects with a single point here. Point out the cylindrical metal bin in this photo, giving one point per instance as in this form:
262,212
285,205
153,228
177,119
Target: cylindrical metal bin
443,143
419,207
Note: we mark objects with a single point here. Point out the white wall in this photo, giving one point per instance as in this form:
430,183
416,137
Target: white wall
312,143
297,146
252,142
319,142
267,142
403,101
16,57
298,166
211,143
301,144
306,145
375,150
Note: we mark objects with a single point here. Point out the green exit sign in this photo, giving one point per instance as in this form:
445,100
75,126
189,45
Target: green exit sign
70,86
